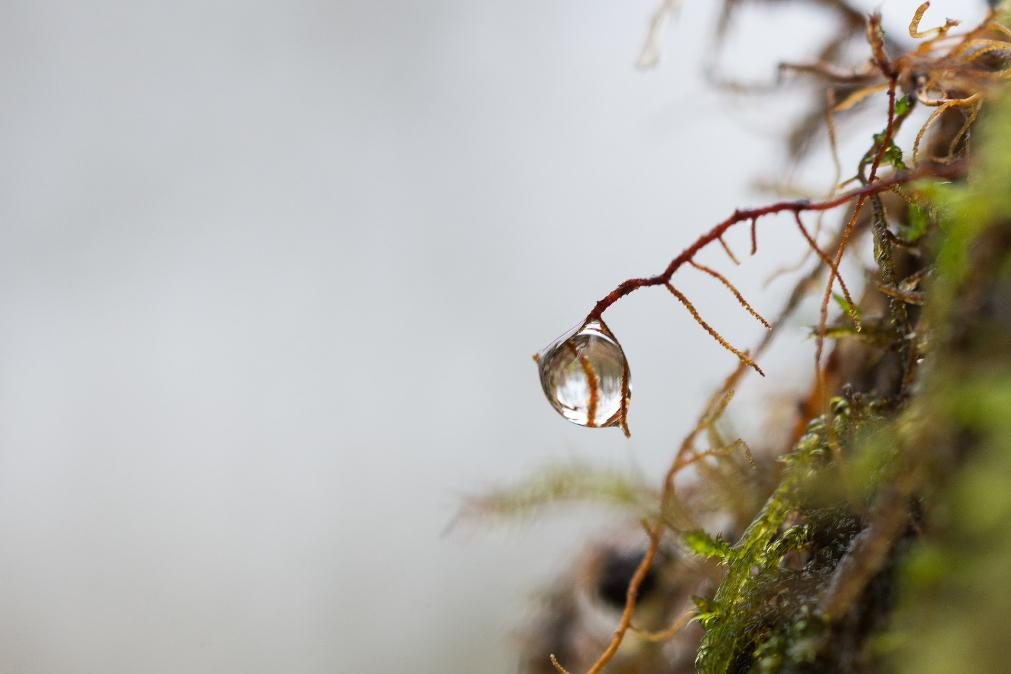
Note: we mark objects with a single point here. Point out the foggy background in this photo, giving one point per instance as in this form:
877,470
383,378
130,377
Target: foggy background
270,279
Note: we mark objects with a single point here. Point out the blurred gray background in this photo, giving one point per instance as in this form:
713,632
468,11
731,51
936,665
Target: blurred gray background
271,274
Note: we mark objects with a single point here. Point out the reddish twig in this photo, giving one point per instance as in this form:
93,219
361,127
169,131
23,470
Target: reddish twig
631,597
738,216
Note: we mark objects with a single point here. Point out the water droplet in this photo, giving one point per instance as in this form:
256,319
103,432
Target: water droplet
585,376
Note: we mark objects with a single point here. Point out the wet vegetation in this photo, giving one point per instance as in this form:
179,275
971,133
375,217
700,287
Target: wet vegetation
879,538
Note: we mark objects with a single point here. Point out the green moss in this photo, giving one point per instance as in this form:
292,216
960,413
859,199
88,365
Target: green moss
955,610
763,613
953,429
704,545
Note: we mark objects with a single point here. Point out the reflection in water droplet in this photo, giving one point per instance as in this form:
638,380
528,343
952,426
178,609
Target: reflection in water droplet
585,376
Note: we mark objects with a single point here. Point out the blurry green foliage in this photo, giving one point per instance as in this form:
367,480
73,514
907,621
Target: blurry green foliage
950,569
955,613
564,484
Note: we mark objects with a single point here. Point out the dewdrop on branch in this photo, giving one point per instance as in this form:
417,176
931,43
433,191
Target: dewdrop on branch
585,376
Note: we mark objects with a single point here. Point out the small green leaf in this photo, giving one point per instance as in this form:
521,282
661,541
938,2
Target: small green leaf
919,220
792,539
707,611
893,156
850,310
701,543
903,106
704,604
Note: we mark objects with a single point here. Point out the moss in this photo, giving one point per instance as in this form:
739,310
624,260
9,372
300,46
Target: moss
885,540
763,615
955,610
947,568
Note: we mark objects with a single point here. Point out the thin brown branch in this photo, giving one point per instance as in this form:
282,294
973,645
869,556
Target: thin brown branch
743,357
970,102
874,29
649,56
938,32
830,106
733,289
901,178
908,296
833,142
725,450
557,665
876,38
827,71
631,596
861,95
833,269
728,251
669,633
970,119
